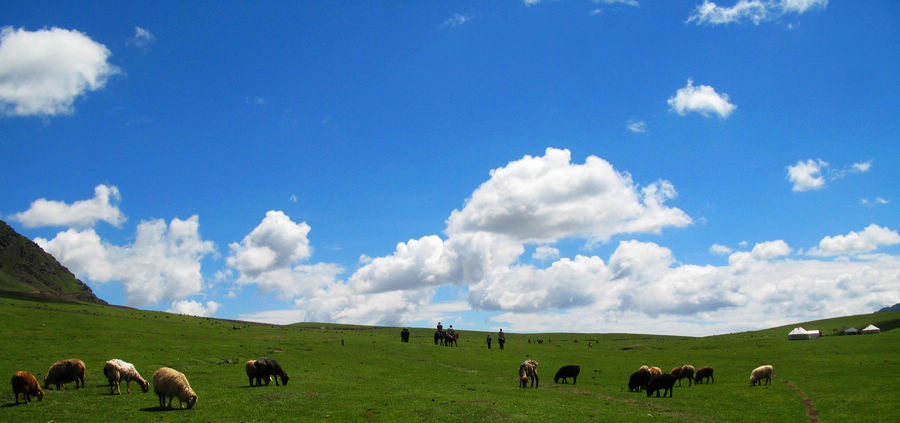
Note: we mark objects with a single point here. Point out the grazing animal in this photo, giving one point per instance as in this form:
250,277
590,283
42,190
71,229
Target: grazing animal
24,383
251,372
266,368
528,370
171,383
685,371
656,371
639,380
762,372
662,382
564,372
705,374
117,370
65,371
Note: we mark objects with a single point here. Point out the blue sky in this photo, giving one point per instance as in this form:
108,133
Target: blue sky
594,166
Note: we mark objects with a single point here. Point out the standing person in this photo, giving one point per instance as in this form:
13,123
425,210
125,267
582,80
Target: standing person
489,341
501,339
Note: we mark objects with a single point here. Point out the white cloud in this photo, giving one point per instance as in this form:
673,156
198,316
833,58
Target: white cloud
770,250
43,72
456,20
636,126
632,3
194,308
862,167
719,249
545,252
162,264
83,213
756,11
870,239
702,99
807,175
878,201
275,243
141,38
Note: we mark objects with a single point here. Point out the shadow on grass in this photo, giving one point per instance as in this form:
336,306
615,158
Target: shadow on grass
163,409
12,404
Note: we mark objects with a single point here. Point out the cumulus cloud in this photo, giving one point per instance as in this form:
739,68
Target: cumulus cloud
43,72
719,249
194,308
807,175
83,213
770,250
162,264
275,243
756,11
702,99
870,239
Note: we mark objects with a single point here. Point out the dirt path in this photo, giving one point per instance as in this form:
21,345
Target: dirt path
811,411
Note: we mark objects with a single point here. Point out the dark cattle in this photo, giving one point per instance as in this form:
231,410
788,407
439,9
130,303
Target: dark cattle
705,374
660,383
639,380
266,367
564,372
24,383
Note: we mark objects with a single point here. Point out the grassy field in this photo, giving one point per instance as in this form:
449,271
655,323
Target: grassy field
374,377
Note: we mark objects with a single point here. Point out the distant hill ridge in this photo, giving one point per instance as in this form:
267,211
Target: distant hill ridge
895,307
27,270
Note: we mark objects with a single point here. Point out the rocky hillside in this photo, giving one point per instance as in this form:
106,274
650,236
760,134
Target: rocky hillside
27,270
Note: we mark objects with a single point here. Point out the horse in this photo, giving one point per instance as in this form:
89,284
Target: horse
450,340
439,337
528,370
501,340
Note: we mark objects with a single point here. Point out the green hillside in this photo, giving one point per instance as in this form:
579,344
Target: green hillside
374,377
26,269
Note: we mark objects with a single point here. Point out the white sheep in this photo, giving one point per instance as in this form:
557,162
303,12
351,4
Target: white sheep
762,372
117,370
172,383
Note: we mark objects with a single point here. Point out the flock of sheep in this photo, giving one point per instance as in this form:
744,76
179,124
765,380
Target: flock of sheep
167,383
653,380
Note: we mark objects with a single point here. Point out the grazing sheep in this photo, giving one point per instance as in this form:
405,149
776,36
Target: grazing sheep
762,372
656,371
704,374
65,371
172,383
639,380
685,371
266,368
662,382
564,372
117,370
528,370
251,372
27,385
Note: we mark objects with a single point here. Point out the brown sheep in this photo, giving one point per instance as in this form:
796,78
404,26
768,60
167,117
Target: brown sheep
65,371
26,384
704,375
171,383
681,372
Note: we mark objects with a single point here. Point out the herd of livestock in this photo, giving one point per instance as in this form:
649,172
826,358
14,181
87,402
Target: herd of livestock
169,383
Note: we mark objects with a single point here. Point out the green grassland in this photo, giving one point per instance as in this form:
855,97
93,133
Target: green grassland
375,377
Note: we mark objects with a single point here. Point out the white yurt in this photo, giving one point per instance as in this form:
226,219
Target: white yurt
798,333
870,330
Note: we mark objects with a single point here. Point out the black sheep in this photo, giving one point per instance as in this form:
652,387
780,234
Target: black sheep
639,380
570,371
266,367
663,382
